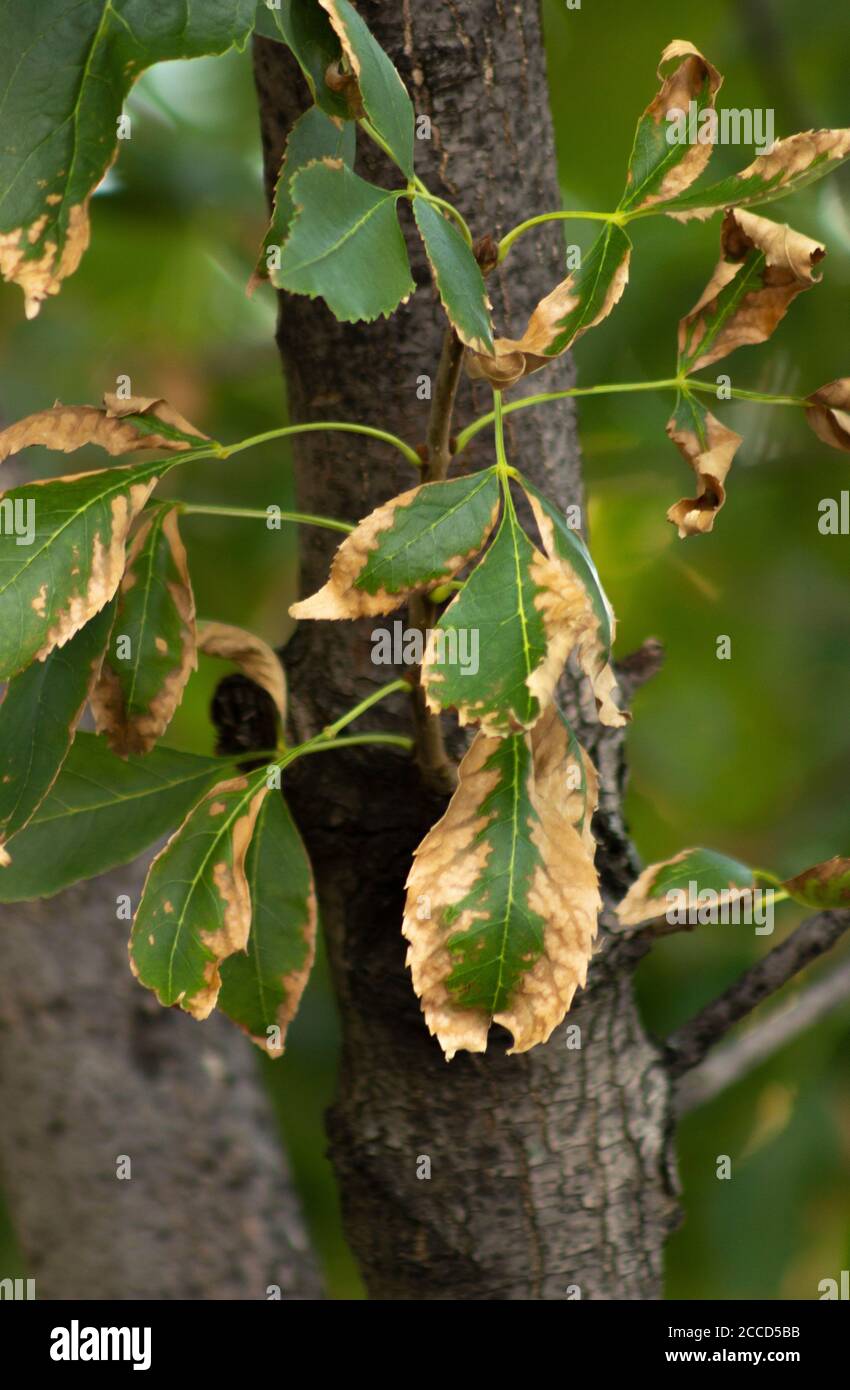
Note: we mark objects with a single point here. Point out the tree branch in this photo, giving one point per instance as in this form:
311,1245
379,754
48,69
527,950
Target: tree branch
687,1046
732,1061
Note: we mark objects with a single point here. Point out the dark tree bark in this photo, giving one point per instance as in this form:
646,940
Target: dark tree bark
92,1068
550,1169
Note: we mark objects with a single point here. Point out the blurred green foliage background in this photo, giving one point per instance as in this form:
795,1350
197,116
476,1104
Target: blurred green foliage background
750,755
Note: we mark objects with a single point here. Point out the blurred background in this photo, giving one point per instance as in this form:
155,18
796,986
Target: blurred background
751,755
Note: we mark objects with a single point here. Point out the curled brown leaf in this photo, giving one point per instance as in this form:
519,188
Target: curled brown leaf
250,653
66,428
828,413
710,455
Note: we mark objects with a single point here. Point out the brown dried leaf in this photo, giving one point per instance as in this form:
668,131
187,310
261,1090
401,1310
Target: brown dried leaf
709,448
774,264
573,307
66,428
254,657
783,167
828,413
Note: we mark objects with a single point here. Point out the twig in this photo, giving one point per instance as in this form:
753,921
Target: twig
438,770
732,1061
687,1046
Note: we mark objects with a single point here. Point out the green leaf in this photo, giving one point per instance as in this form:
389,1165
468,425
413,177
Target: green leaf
67,559
457,276
678,882
65,69
788,166
196,903
824,886
503,895
152,650
385,98
662,167
38,720
261,990
313,136
345,245
100,812
416,540
306,30
490,647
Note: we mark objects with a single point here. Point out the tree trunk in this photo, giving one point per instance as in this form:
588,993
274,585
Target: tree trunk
92,1072
549,1170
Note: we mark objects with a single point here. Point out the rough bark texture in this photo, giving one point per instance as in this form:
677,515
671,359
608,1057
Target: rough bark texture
91,1067
552,1169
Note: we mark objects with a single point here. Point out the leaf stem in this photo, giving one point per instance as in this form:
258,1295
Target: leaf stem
674,383
419,190
257,514
224,451
510,237
497,417
331,731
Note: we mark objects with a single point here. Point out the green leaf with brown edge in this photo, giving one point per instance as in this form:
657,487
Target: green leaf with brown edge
788,166
38,720
196,905
261,990
500,646
152,650
416,540
306,30
345,245
579,303
763,266
100,812
67,67
678,882
824,886
384,95
582,608
72,558
502,898
313,136
457,277
660,167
